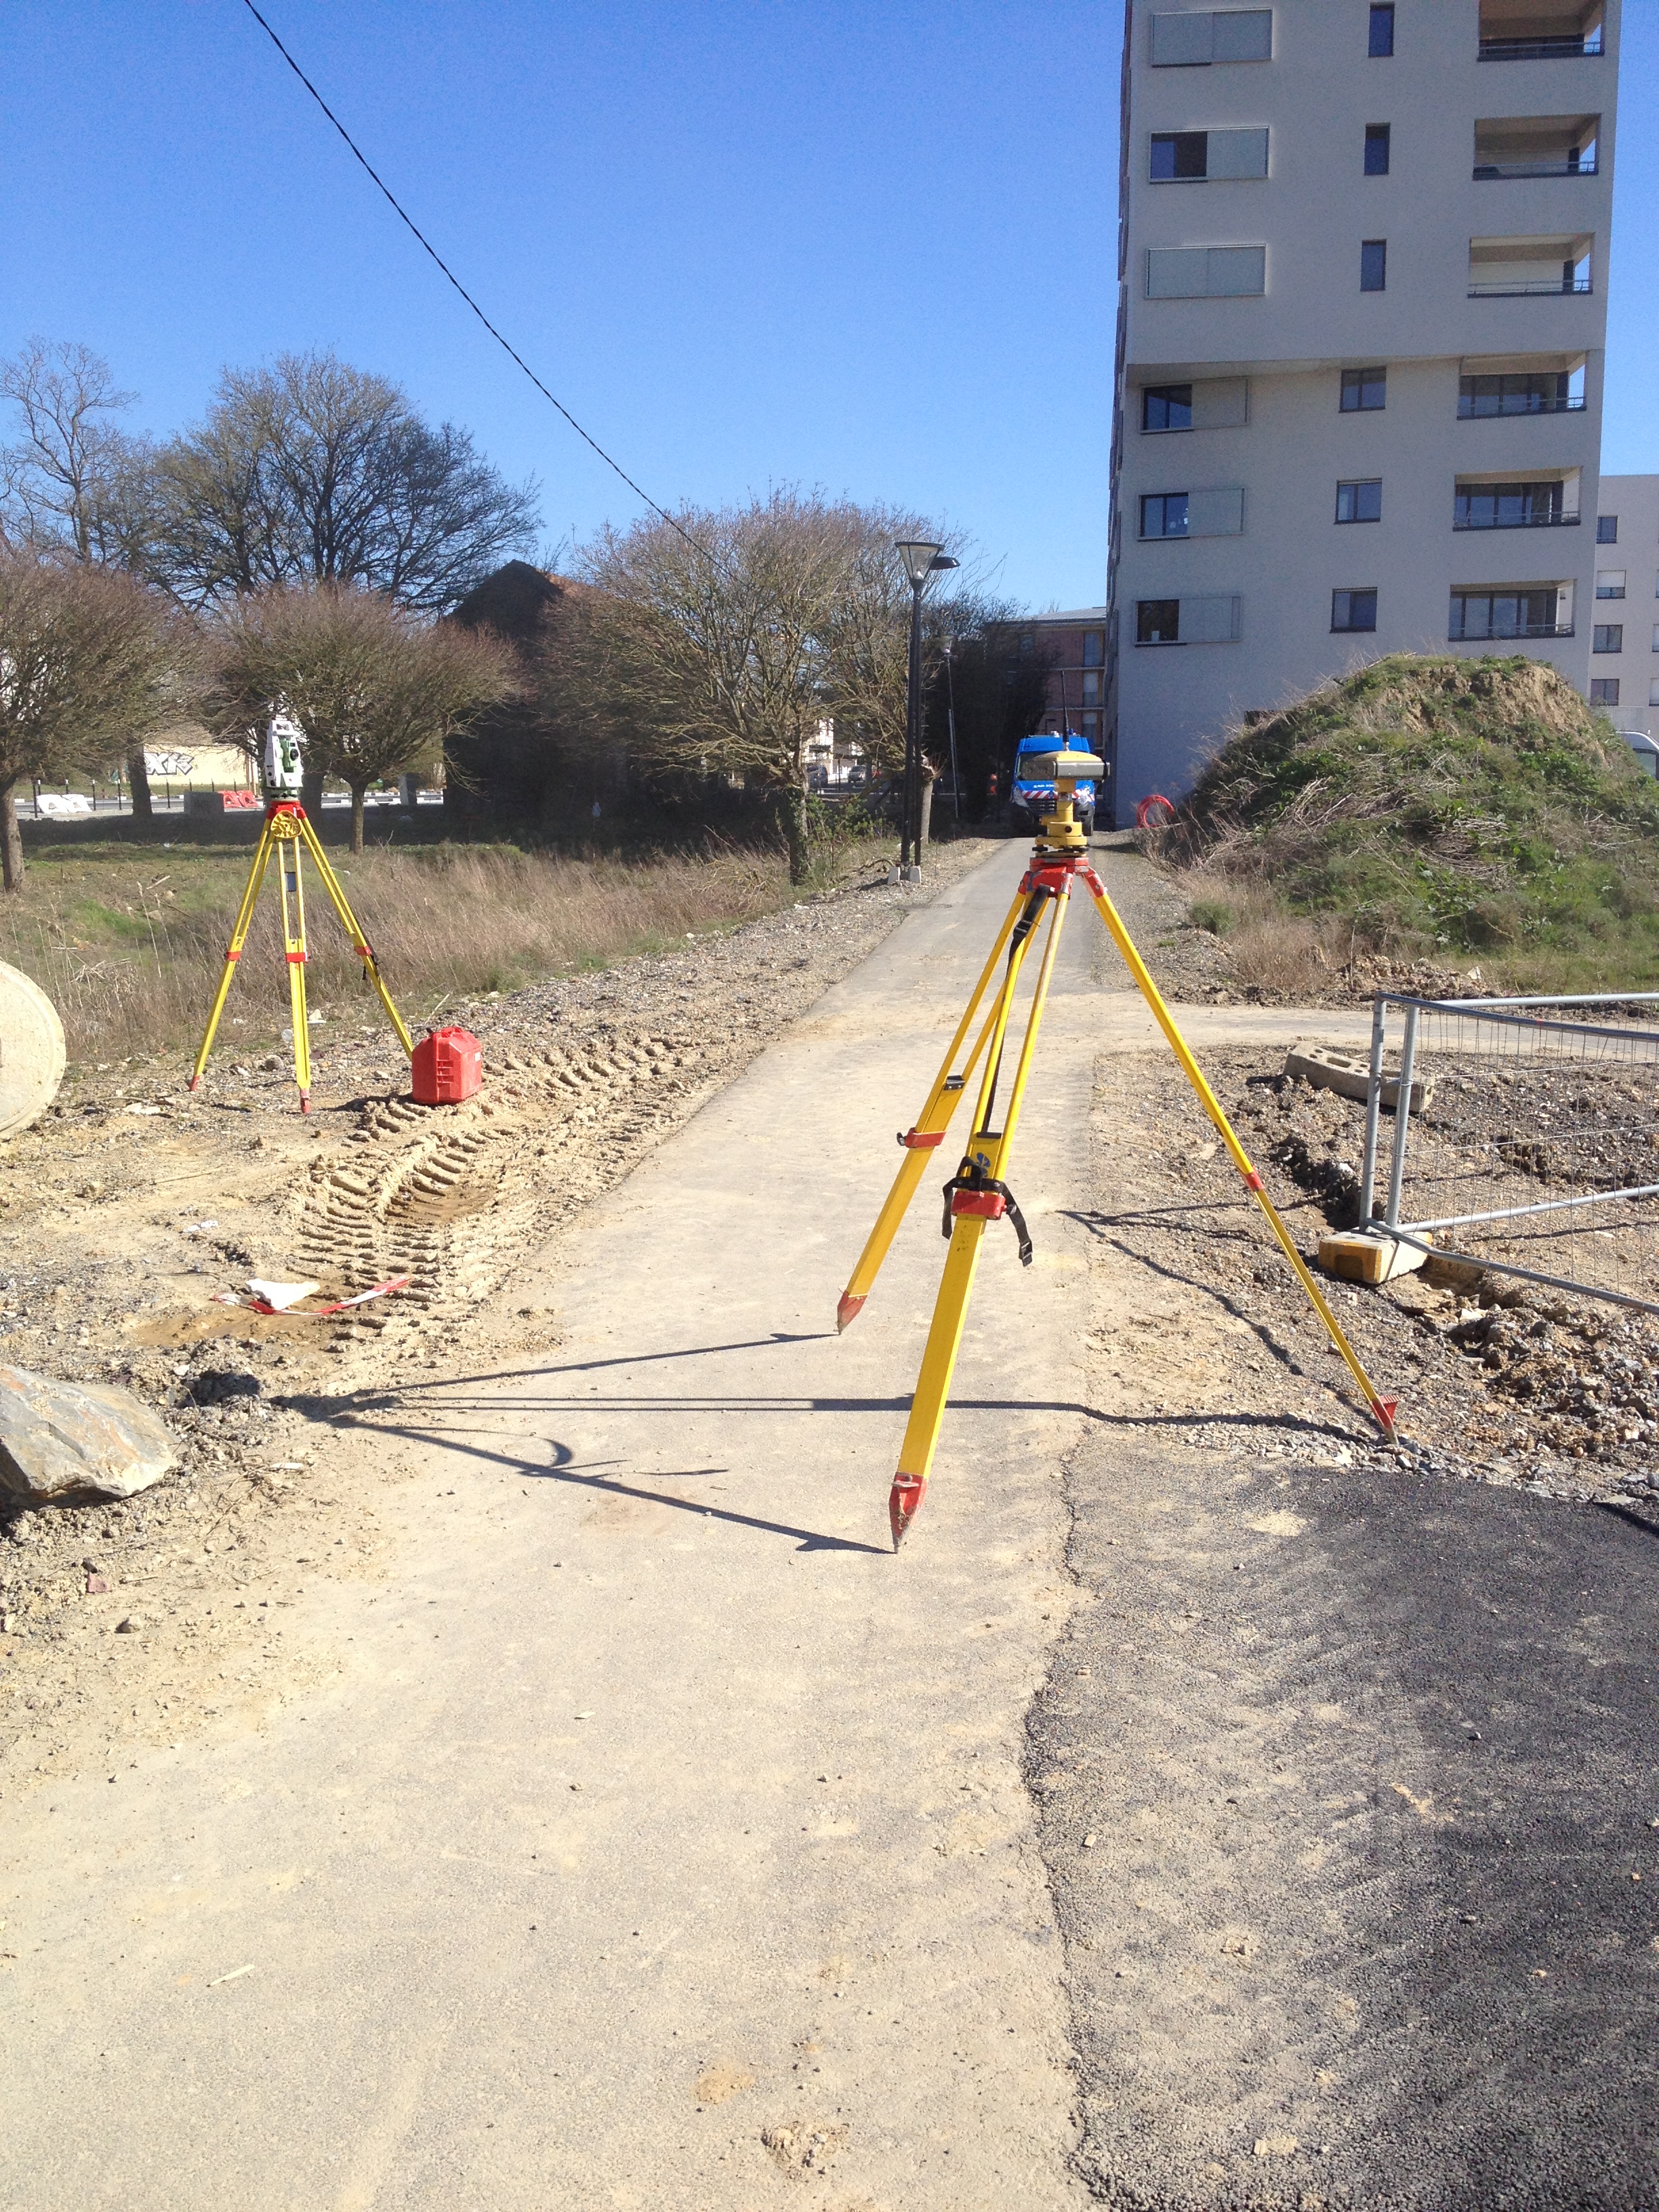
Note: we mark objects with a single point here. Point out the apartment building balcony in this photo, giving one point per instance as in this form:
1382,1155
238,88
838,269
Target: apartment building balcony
1529,268
1486,396
1485,614
1548,503
1522,31
1508,148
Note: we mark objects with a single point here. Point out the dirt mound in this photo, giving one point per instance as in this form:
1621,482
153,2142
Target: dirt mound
1467,805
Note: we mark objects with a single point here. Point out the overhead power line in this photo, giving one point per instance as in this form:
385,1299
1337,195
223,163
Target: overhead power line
432,252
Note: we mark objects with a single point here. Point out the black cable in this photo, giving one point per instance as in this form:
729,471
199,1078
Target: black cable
428,247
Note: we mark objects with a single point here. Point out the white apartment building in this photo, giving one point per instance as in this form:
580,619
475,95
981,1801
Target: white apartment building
1363,257
1624,666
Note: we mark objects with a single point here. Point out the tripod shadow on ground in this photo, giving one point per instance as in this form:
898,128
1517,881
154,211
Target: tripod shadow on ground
563,1467
1100,1225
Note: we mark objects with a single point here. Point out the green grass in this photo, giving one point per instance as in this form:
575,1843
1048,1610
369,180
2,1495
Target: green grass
1448,807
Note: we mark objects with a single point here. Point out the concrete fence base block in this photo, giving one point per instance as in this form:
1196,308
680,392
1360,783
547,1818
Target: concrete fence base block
1349,1073
1373,1260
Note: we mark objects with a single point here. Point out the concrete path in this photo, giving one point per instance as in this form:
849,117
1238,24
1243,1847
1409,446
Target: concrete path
663,1839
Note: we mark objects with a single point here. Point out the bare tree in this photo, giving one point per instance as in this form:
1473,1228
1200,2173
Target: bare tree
86,666
376,691
723,645
314,472
74,481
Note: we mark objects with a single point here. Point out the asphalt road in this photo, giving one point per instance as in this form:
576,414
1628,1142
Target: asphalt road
1365,1769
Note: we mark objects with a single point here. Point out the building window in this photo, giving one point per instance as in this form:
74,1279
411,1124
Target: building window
1092,687
1179,153
1608,637
1091,733
1363,389
1374,265
1653,692
1381,38
1157,622
1532,392
1655,637
1604,691
1092,642
1376,150
1163,514
1220,157
1352,611
1609,583
1206,272
1194,38
1027,645
1514,613
1606,530
1509,505
1361,502
1167,407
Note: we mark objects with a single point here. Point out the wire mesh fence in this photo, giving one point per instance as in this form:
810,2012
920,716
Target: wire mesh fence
1525,1137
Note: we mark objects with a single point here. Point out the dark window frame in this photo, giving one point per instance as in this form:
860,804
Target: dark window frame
1373,264
1181,141
1153,614
1607,637
1161,500
1379,45
1379,135
1606,530
1343,601
1604,691
1358,485
1358,381
1153,395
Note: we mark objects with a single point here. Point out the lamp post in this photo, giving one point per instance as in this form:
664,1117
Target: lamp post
922,559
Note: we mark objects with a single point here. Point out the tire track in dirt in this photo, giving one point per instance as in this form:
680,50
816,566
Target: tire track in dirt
451,1199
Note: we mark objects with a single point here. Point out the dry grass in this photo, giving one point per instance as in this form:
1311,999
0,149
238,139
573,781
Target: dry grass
1287,957
128,942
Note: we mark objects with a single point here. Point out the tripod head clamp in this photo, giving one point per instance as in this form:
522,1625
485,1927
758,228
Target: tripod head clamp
1061,832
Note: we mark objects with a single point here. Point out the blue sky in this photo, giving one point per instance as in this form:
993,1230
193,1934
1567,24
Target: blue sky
745,241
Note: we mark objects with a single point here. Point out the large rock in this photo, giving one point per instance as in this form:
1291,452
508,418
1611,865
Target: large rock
31,1051
64,1441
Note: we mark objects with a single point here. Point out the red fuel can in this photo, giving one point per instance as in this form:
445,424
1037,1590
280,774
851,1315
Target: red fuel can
448,1066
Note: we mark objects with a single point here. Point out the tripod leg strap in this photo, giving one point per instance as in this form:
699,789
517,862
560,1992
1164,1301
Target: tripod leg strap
990,1200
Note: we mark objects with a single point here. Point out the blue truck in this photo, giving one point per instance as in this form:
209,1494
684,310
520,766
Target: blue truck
1029,799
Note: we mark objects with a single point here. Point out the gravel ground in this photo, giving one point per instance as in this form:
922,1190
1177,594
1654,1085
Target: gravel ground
133,1204
1505,1382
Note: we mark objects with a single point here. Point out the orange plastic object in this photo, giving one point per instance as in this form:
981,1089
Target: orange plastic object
447,1065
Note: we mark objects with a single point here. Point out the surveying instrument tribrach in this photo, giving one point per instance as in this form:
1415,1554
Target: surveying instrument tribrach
977,1193
286,834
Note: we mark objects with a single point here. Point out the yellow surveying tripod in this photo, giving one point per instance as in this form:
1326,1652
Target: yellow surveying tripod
286,832
977,1194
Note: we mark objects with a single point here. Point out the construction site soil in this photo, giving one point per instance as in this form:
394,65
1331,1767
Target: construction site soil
134,1208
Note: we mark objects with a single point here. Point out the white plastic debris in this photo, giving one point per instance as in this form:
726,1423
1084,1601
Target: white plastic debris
279,1296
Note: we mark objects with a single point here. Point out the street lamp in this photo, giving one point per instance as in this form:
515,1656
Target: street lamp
920,559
